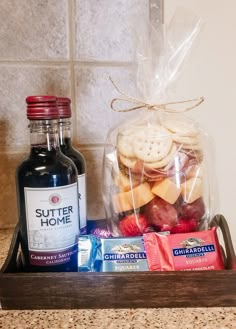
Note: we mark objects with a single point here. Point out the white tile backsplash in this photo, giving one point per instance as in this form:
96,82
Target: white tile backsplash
34,30
16,83
106,30
94,159
8,202
94,93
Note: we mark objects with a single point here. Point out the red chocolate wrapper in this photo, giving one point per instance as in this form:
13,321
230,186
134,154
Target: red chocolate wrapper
194,251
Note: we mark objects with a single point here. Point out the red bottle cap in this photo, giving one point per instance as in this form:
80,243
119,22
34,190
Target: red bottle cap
42,108
64,108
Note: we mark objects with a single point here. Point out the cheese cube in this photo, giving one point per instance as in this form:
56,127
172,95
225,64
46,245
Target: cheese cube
121,202
167,190
196,170
133,199
192,189
140,195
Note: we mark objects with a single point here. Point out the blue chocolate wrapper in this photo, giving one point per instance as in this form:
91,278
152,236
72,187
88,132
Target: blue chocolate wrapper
88,254
123,255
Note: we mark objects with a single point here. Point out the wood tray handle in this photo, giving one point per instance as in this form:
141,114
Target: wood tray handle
220,221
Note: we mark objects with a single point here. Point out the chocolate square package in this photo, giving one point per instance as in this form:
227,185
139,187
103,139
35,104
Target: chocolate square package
123,255
195,251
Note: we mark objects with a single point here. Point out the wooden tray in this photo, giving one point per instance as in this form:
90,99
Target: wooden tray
20,290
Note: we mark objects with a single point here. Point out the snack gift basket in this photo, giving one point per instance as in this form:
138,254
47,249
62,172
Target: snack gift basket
156,173
156,178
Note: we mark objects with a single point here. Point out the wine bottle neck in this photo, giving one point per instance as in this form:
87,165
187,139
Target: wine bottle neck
65,132
44,133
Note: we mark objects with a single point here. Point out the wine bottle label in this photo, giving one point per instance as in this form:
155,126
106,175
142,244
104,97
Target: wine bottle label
82,203
52,224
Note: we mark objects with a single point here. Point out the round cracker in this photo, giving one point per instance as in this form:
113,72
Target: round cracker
191,147
188,140
128,162
165,161
125,145
181,126
152,144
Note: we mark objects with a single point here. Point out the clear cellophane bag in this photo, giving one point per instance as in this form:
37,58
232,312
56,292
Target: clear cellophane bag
155,168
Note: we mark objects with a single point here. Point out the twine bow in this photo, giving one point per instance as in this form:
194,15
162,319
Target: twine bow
138,104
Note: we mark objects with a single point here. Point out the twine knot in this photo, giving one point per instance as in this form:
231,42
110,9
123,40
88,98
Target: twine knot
136,104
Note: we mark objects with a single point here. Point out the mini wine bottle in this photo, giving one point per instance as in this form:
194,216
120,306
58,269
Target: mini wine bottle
47,193
78,159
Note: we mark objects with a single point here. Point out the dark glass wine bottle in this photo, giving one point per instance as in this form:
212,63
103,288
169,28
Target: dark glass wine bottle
47,193
67,148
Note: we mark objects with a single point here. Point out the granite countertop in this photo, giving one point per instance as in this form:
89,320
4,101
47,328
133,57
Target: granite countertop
164,318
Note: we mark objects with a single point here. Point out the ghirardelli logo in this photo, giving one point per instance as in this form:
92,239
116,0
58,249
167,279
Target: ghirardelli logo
125,248
192,242
55,199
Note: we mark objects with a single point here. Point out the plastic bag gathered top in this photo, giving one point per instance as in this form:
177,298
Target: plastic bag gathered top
155,166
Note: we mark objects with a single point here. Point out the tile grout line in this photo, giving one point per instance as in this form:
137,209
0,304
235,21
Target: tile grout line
71,29
64,63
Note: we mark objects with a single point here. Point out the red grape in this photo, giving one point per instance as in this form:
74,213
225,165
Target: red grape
159,212
195,209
